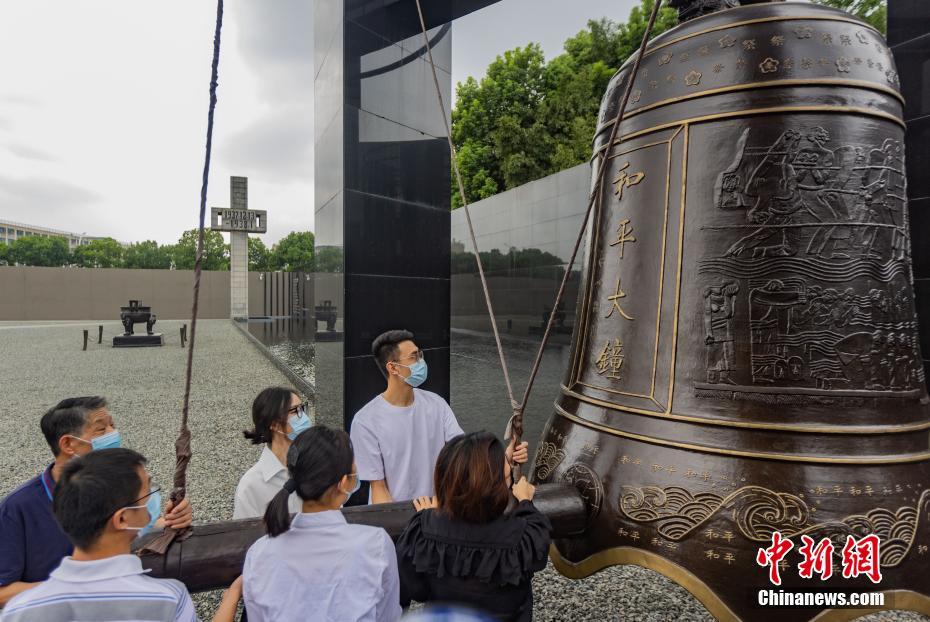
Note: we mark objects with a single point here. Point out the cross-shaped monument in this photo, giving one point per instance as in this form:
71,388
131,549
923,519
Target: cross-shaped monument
239,221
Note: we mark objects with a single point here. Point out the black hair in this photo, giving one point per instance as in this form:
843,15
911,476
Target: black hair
268,408
317,460
469,478
384,347
90,402
91,488
62,421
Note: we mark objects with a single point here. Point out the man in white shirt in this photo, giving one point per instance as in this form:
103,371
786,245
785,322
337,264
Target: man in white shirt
397,436
103,501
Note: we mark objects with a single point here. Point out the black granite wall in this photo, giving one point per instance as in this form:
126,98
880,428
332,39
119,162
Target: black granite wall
909,38
382,188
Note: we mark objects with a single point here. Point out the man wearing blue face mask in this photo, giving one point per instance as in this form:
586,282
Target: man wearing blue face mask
32,543
103,501
398,435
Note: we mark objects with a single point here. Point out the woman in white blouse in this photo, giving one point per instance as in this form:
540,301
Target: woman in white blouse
318,566
278,416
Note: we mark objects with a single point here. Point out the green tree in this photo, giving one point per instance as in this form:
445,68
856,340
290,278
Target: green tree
34,250
259,256
875,12
526,118
215,251
294,253
102,253
4,251
147,255
329,259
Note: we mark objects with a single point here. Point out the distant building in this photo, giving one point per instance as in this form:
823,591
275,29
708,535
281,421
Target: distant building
11,231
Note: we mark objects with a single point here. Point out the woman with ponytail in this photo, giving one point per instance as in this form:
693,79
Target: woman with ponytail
317,566
278,416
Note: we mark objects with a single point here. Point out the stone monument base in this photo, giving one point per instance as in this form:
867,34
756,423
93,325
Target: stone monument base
138,341
329,335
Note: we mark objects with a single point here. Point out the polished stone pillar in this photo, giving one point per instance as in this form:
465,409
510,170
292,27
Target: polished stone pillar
909,39
382,184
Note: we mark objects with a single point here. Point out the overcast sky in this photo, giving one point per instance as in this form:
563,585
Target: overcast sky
103,105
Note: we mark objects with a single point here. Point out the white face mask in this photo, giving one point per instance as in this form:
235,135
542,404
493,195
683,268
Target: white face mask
358,484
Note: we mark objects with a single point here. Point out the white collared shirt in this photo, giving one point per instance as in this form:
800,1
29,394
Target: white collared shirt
260,484
115,588
323,569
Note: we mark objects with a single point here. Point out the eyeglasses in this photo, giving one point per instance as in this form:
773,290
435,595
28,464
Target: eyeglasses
416,356
151,492
295,409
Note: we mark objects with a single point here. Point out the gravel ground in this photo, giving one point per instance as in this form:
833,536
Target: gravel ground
42,363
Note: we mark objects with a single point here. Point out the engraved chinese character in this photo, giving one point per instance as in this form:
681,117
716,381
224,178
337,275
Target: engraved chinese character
656,542
729,558
635,535
624,235
704,50
728,535
749,44
718,68
921,549
672,469
827,38
610,360
857,61
625,180
807,63
804,32
705,476
656,468
740,63
787,64
711,554
684,57
845,40
777,40
624,459
690,473
616,305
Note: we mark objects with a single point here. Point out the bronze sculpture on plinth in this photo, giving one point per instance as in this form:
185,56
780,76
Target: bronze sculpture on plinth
746,358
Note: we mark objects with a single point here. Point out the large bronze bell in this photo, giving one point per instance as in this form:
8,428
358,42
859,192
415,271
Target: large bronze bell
746,358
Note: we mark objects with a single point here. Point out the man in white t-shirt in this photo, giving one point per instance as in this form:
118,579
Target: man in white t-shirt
398,435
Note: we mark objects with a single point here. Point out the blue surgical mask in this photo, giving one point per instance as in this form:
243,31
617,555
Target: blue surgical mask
298,424
153,506
109,440
417,373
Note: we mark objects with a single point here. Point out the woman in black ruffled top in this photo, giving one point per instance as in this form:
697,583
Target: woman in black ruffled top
462,546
